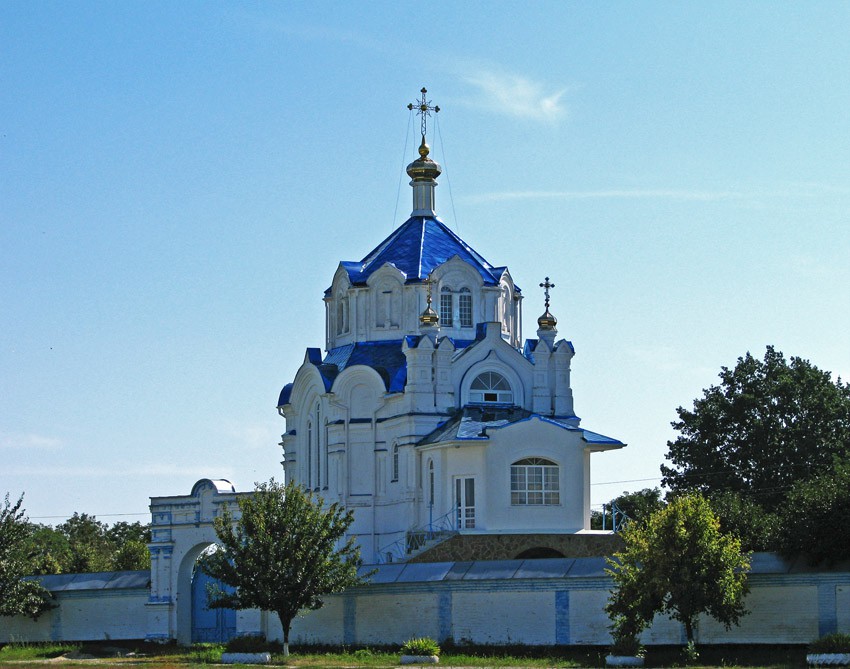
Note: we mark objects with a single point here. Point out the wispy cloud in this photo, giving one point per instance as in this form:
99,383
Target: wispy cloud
101,471
607,194
30,441
517,96
260,437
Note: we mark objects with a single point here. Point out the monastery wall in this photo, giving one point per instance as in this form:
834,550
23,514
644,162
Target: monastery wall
535,602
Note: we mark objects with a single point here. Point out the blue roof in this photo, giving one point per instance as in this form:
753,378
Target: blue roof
385,357
416,247
473,422
103,580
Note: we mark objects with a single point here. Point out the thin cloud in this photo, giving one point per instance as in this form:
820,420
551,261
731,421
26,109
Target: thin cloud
613,194
97,471
259,437
518,96
29,442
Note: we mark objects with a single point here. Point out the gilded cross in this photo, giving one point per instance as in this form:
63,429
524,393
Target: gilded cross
546,286
423,108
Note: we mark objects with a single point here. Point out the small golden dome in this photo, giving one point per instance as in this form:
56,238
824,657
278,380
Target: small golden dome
424,169
429,317
547,321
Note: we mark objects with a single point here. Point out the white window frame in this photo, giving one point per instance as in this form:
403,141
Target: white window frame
535,482
464,308
494,388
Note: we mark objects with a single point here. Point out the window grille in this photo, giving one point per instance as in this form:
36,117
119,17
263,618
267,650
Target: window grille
535,482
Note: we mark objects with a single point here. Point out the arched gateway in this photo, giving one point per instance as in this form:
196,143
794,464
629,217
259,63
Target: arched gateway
181,530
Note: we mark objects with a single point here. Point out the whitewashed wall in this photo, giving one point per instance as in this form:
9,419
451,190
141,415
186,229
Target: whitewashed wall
88,615
535,602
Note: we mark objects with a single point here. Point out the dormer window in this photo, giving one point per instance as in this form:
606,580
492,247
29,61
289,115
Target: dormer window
490,388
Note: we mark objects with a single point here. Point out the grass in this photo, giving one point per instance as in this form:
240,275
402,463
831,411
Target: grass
323,657
15,652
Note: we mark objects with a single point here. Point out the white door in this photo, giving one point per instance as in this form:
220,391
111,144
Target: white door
465,503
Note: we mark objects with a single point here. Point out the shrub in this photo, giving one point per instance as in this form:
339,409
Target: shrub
423,646
627,646
831,643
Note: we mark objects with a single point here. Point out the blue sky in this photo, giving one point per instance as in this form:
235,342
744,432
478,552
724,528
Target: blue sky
178,182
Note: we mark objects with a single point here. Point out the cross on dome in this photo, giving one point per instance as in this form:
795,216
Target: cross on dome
547,321
424,109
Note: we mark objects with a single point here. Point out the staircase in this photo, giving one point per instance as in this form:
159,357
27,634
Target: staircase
418,540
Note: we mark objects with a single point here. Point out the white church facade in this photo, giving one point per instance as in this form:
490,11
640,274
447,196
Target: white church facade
428,411
456,444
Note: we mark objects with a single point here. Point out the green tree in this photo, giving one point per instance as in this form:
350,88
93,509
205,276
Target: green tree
678,563
90,548
768,425
813,519
635,506
757,527
17,596
283,553
48,549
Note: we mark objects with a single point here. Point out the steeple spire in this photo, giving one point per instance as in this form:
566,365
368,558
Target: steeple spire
423,171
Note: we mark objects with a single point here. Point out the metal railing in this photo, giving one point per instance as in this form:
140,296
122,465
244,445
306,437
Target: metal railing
417,537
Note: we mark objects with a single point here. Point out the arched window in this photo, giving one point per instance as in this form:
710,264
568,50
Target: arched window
430,483
309,477
535,481
446,306
395,462
342,314
491,387
465,308
318,449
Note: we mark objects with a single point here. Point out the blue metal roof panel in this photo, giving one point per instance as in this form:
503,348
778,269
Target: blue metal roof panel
545,568
385,357
285,394
587,566
415,248
425,571
596,438
492,569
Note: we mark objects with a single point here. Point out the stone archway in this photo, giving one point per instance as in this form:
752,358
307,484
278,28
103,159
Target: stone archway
181,529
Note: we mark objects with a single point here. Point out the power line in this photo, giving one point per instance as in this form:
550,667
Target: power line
93,515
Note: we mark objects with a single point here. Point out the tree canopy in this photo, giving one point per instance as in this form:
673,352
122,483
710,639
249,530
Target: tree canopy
17,596
284,553
678,563
814,517
83,544
768,424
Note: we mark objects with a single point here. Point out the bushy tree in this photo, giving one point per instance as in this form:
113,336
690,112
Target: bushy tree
757,527
814,517
17,596
635,506
283,554
768,425
678,563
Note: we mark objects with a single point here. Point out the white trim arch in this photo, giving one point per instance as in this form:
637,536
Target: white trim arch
499,367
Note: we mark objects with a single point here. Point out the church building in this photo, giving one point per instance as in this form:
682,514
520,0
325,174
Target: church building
428,414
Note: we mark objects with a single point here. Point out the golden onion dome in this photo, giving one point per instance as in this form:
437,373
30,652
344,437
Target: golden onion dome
424,168
547,321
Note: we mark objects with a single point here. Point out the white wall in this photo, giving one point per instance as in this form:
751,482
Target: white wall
92,615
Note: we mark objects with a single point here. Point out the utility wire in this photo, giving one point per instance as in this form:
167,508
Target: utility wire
401,171
446,171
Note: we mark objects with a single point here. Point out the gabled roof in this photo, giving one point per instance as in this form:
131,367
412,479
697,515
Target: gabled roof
415,248
472,424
